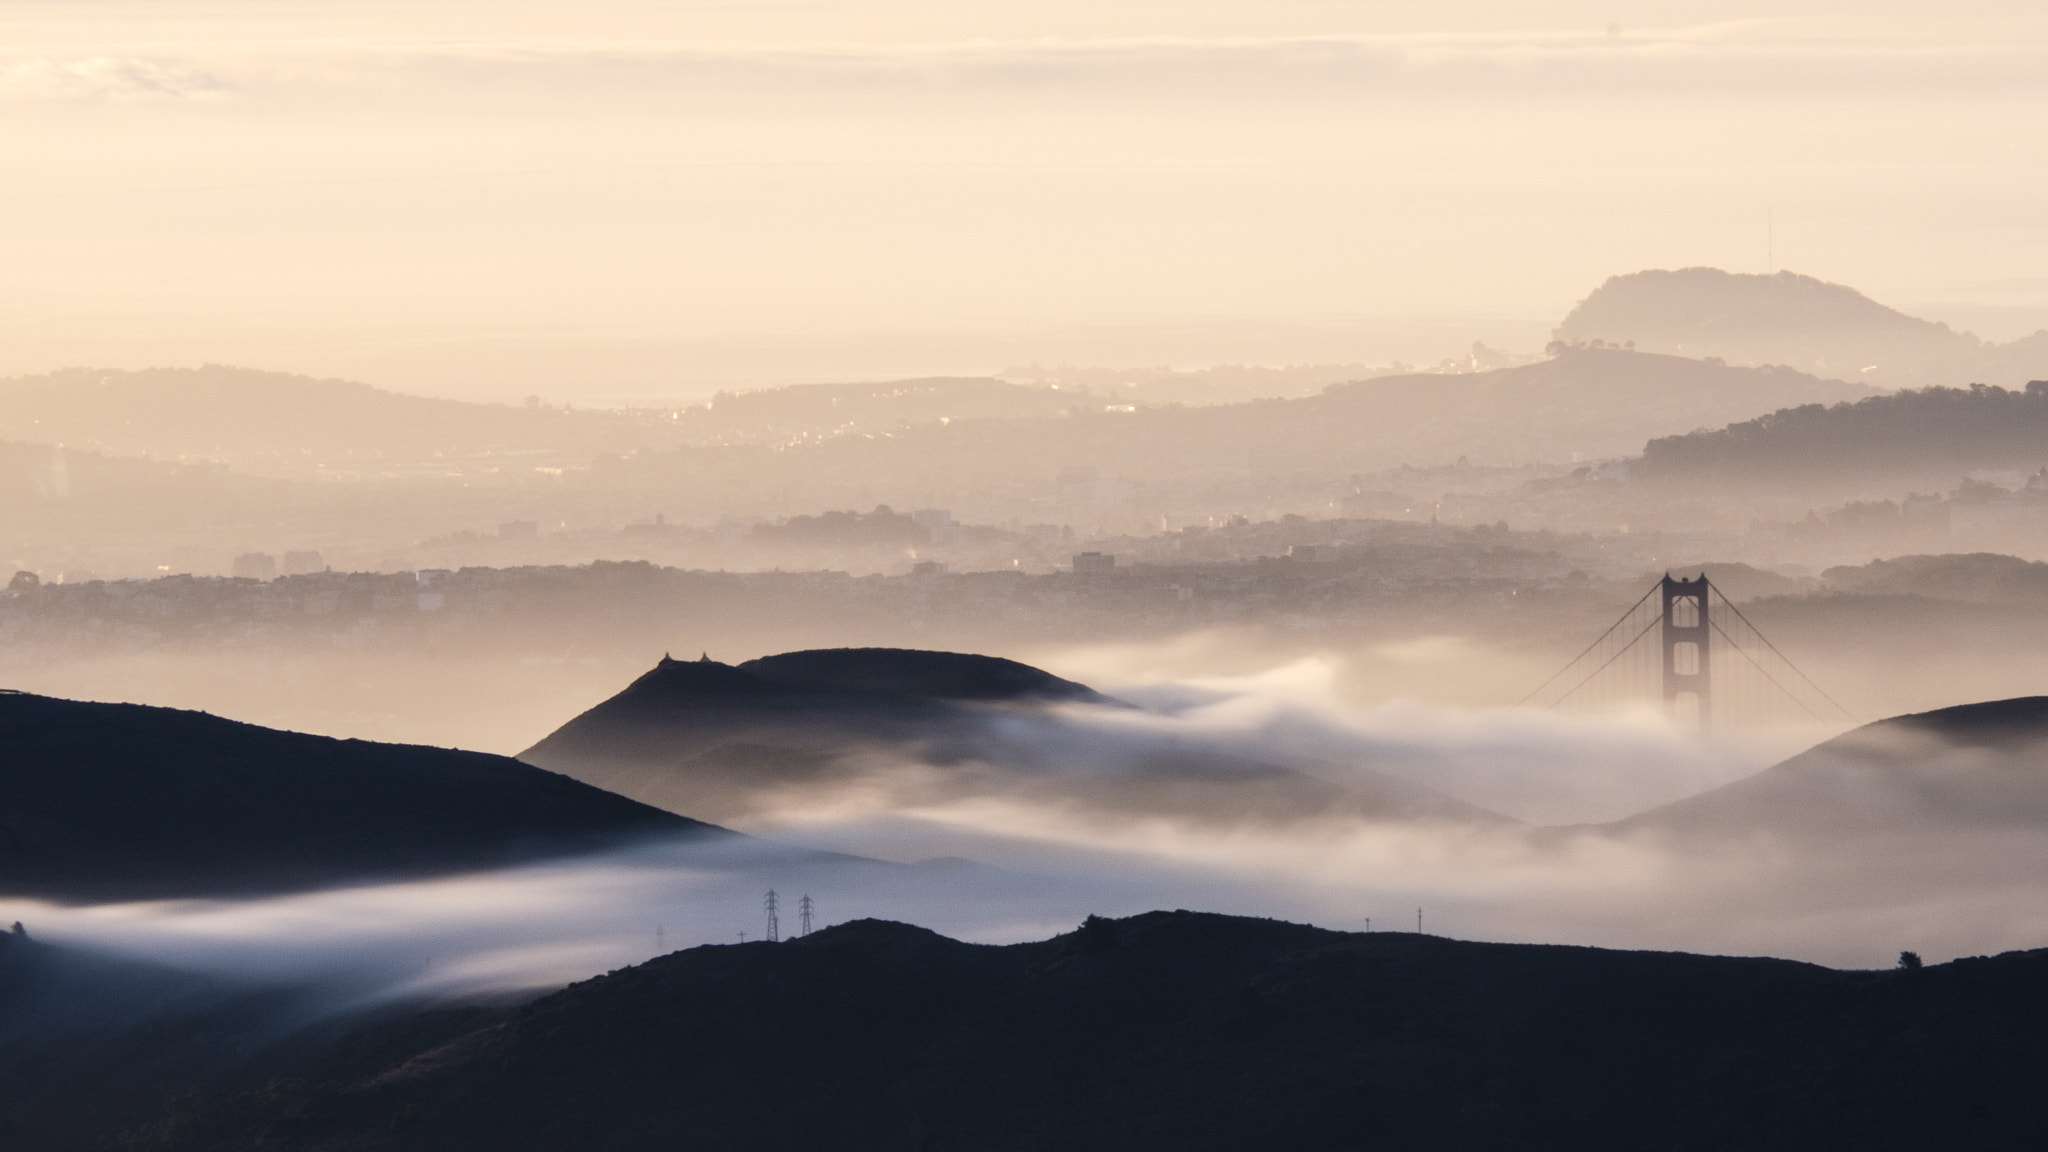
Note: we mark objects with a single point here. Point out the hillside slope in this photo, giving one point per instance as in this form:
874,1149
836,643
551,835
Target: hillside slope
1929,437
119,801
1814,326
1584,404
1974,766
285,424
1195,1032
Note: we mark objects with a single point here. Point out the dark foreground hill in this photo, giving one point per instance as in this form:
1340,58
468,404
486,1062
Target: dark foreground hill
1184,1032
92,1043
730,742
120,801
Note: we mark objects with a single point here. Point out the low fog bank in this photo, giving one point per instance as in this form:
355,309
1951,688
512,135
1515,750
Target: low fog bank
1431,710
998,864
1940,892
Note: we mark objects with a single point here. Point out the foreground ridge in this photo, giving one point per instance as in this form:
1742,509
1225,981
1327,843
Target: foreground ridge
1186,1030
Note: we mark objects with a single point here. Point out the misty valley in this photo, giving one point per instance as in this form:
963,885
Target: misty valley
1639,742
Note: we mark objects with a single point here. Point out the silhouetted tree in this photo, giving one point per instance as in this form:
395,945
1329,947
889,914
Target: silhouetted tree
1909,961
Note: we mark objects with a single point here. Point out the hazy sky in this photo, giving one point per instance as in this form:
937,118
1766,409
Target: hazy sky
611,197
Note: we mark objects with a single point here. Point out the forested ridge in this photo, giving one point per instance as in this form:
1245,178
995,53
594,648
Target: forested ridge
1938,431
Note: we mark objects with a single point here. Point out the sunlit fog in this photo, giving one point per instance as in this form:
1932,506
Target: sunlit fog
1234,526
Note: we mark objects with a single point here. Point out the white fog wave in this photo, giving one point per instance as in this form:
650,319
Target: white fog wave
1006,864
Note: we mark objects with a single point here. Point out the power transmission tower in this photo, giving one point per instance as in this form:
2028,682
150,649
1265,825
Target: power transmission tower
774,927
804,908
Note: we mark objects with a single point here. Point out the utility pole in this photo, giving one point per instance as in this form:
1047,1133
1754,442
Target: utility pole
804,908
1368,923
774,928
1418,921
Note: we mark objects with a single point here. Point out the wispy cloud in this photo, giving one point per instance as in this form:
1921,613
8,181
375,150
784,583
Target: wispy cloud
105,78
1830,57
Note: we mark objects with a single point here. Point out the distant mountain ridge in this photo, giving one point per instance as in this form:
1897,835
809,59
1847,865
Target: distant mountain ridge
122,802
798,412
1928,436
1826,329
279,423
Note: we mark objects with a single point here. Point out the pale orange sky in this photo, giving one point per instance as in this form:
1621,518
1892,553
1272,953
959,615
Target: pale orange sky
660,199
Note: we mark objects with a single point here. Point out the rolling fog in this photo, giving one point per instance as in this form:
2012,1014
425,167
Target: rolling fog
1315,379
1036,861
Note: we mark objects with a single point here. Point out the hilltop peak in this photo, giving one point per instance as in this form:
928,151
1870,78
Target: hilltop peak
1828,329
916,672
1696,305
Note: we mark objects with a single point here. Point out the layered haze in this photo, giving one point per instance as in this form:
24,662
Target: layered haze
415,195
492,494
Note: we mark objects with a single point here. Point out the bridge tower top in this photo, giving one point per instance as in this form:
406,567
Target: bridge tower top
1688,660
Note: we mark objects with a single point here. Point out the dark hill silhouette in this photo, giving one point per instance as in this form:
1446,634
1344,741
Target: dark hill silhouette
1196,1032
936,675
728,743
92,1043
1926,437
120,801
1979,766
1826,329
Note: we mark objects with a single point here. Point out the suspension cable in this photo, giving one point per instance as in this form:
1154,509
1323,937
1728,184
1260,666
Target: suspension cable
1787,659
1611,659
1589,648
1765,674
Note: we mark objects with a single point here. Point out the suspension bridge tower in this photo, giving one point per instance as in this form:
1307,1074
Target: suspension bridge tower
1688,665
1694,621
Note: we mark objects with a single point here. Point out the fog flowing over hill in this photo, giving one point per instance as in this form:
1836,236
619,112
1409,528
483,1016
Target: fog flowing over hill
819,728
1826,329
996,658
967,576
1973,765
1905,832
